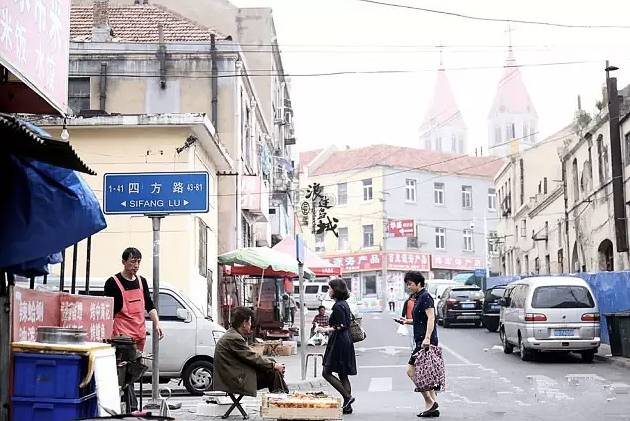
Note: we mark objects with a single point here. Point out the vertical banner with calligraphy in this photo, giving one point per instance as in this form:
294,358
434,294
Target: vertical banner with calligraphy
35,45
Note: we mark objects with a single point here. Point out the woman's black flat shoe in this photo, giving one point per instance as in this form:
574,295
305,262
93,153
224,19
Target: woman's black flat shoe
432,412
348,402
347,410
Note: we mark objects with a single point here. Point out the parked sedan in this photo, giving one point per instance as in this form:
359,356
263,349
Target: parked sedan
460,304
492,308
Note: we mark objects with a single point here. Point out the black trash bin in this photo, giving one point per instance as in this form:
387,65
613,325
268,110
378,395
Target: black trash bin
623,321
619,333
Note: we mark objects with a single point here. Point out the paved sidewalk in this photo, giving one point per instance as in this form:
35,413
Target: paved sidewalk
188,411
604,355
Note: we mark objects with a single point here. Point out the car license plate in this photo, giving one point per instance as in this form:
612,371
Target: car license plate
468,305
564,332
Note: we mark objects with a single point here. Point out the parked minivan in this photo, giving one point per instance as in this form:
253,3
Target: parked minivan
314,293
187,349
554,313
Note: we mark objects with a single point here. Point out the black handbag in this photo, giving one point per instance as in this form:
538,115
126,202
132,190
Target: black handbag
356,331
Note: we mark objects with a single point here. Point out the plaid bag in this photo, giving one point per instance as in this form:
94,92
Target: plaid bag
430,374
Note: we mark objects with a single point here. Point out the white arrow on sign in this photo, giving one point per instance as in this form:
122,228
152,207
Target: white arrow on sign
124,204
186,202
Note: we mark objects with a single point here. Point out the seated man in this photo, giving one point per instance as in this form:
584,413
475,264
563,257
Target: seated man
238,369
321,319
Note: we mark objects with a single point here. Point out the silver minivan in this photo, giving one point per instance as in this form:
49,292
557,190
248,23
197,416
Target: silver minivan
552,313
314,293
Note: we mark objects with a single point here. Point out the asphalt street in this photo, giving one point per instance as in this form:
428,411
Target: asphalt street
482,382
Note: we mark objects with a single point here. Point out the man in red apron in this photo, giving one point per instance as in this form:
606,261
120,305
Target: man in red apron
131,299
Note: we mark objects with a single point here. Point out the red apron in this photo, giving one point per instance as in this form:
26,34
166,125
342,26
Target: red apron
129,321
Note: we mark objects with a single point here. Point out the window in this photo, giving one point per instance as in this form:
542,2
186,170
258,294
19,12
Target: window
525,131
320,242
522,178
545,185
461,143
440,238
523,228
203,248
548,264
600,160
342,241
467,197
311,289
438,193
427,144
342,194
537,266
526,265
168,307
438,144
562,297
368,235
79,94
627,139
410,190
576,178
369,285
560,262
468,240
492,199
367,189
510,131
454,143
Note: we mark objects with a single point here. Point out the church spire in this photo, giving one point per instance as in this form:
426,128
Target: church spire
443,128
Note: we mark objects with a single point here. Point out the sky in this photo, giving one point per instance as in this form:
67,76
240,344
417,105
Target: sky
323,36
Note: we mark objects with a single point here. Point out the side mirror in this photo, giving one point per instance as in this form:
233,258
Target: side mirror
183,314
504,302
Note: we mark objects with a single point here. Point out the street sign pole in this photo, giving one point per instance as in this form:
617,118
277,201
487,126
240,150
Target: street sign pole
155,342
299,254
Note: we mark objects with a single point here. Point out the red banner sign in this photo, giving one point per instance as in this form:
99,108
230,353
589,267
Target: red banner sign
456,263
34,45
401,227
408,261
36,308
364,262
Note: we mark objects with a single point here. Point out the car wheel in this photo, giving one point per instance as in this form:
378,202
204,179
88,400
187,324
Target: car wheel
197,377
446,323
479,324
508,348
526,354
440,322
588,356
492,327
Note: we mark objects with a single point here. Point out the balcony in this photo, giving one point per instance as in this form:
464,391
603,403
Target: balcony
255,197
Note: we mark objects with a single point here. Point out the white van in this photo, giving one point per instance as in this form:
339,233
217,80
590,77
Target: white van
551,313
314,293
436,287
187,349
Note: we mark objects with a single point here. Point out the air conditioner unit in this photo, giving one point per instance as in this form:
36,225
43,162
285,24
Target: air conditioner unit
412,242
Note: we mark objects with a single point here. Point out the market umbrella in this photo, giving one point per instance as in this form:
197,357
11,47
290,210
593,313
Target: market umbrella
321,267
264,259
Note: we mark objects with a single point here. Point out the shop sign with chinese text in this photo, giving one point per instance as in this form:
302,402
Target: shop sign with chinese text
401,227
408,261
396,260
314,211
456,262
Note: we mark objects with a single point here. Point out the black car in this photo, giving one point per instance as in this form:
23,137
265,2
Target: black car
460,304
492,308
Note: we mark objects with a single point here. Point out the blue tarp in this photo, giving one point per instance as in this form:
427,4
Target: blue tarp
43,210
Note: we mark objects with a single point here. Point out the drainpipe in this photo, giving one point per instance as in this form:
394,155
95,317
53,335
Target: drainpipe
569,255
215,81
103,86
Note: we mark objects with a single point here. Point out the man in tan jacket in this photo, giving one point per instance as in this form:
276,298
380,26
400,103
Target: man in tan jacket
238,369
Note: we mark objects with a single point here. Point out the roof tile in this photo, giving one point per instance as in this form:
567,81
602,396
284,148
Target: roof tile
139,23
411,158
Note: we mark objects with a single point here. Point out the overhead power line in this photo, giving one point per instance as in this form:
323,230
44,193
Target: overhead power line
492,19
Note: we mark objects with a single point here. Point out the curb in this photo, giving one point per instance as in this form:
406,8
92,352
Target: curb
307,384
617,361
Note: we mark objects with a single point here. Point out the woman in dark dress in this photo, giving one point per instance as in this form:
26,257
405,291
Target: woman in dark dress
339,356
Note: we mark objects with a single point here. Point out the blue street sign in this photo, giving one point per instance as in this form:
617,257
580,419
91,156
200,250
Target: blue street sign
162,192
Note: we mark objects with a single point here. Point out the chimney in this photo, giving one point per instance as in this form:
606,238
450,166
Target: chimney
101,31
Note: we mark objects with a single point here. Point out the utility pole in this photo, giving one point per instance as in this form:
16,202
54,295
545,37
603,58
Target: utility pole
619,205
